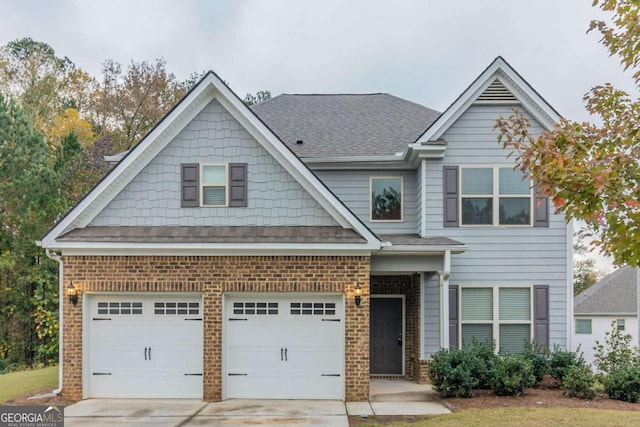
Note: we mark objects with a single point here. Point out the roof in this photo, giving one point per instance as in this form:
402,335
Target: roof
343,125
249,234
416,240
616,294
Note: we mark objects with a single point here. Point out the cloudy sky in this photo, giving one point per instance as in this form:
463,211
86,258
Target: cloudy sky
426,51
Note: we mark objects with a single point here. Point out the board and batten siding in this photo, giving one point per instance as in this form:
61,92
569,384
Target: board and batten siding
352,188
497,255
599,326
274,197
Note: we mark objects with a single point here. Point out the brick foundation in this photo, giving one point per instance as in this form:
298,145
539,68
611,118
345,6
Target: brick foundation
214,276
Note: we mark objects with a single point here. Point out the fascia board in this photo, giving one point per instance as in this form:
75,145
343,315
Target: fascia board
421,249
453,113
126,164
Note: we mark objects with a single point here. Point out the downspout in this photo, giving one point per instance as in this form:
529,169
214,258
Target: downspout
444,298
56,257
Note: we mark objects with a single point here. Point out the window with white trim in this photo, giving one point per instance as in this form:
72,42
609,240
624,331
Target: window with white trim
620,324
495,196
496,313
386,198
214,184
583,326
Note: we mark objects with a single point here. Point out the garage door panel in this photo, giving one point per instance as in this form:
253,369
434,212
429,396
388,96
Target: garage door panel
314,360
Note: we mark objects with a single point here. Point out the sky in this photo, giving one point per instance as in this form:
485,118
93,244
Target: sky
426,51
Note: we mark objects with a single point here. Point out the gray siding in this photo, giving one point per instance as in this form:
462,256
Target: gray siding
352,187
153,197
431,304
419,210
498,255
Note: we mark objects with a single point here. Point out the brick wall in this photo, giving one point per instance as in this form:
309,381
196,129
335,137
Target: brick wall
409,286
213,276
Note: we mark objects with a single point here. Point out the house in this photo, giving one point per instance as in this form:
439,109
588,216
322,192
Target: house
612,302
298,248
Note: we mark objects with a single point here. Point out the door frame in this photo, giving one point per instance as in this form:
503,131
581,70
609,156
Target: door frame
404,328
279,295
88,298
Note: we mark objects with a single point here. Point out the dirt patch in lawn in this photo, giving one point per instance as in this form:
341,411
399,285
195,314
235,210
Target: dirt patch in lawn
545,394
44,401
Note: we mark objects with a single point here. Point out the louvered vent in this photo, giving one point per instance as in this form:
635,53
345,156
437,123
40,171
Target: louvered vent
496,92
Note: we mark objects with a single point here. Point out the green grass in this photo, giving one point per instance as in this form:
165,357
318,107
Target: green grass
538,417
16,384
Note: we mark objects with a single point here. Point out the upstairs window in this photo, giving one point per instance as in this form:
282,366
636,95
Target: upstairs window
386,198
214,184
495,196
620,324
583,326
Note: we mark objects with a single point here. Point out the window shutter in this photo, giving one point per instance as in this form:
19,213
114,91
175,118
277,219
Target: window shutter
189,183
453,316
541,311
540,208
450,194
237,184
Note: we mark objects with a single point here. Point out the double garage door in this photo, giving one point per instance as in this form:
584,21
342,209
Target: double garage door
275,346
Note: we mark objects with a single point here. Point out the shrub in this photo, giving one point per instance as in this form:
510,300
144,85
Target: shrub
580,382
485,357
623,384
451,372
560,361
537,355
512,375
616,352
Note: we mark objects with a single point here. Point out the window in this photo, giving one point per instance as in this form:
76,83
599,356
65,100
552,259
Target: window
214,184
386,198
620,324
316,308
495,196
583,326
258,308
120,307
496,313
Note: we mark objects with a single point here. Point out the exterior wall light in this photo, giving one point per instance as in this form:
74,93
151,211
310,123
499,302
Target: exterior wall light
72,293
358,294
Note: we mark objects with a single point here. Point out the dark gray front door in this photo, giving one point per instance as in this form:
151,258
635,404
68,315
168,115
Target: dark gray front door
386,336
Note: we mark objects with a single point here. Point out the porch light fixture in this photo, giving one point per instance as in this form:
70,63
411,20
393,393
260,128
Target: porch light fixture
72,293
358,294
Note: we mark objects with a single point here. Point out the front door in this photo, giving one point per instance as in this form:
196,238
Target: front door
386,336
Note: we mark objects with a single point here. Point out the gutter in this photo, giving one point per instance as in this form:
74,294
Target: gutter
56,257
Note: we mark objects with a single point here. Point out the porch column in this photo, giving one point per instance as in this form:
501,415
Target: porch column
444,299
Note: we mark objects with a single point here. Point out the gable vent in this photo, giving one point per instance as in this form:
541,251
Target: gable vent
496,92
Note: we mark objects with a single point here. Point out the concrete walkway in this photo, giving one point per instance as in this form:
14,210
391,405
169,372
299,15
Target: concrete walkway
387,398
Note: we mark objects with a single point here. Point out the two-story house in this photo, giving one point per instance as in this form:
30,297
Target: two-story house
296,248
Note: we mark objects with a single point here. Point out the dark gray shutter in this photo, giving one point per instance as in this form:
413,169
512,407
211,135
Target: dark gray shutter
541,315
237,184
540,208
189,182
453,316
450,194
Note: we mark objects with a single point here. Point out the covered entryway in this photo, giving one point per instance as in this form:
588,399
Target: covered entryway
284,346
144,345
387,335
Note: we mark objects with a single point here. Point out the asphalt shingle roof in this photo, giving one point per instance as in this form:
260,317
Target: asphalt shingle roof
615,294
341,125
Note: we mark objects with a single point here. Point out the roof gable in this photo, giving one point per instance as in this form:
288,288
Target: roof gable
209,88
499,78
615,294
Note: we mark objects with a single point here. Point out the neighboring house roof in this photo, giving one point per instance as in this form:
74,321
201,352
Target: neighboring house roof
248,234
524,95
210,87
616,294
342,125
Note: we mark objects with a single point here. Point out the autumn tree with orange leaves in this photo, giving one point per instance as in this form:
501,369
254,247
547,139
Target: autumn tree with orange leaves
592,171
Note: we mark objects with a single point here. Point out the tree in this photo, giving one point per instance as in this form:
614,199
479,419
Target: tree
260,96
585,273
592,171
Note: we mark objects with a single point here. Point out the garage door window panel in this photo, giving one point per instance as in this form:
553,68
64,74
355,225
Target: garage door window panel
119,308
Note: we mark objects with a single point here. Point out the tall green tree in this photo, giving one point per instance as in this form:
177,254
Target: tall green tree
585,273
592,170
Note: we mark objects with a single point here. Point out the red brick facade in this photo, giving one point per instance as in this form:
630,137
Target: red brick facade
213,276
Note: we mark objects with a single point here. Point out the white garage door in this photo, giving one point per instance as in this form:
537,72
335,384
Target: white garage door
145,345
284,346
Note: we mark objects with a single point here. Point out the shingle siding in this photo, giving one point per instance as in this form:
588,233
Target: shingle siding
153,197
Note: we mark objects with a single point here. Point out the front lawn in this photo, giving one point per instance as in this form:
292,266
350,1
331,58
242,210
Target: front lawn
496,417
16,384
